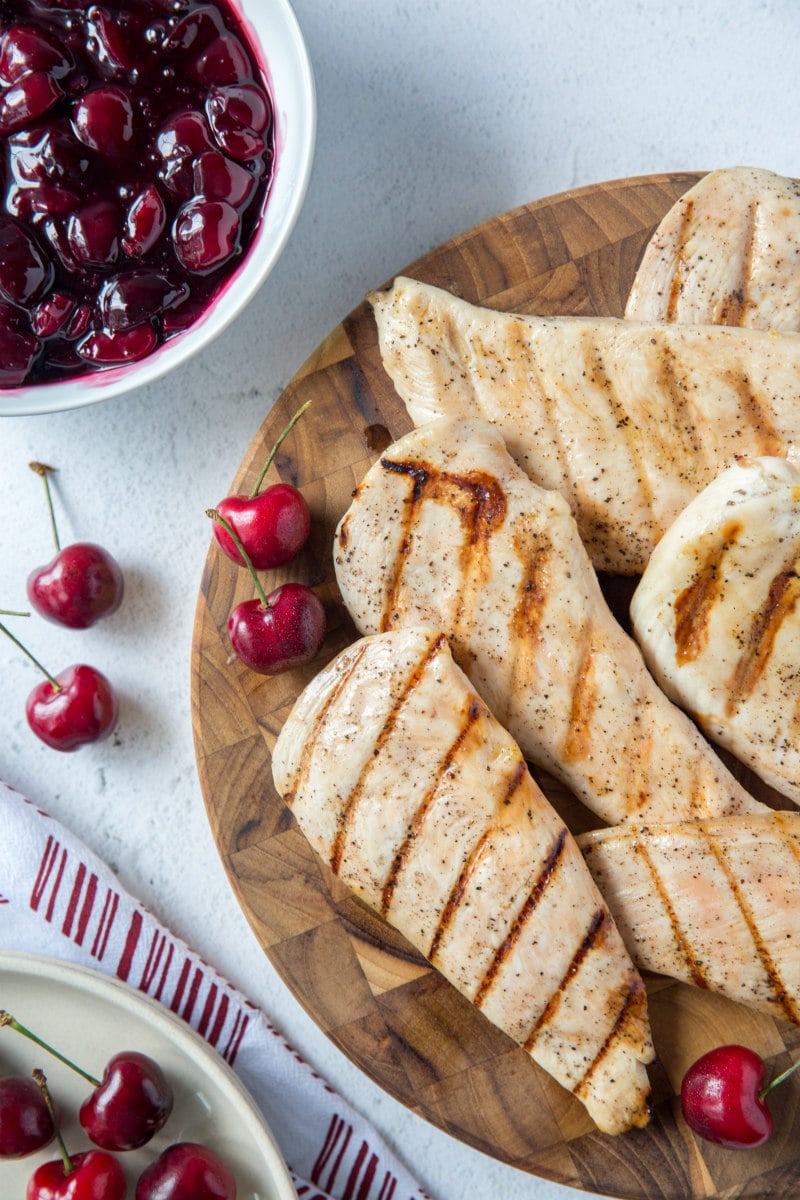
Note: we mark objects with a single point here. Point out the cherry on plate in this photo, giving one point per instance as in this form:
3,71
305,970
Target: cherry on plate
130,1105
187,1171
145,222
224,61
25,1122
93,233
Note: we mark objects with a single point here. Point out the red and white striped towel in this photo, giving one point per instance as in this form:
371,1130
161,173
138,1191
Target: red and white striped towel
58,898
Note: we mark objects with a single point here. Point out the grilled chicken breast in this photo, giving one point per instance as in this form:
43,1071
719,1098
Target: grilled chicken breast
445,530
716,614
726,253
713,903
629,421
420,801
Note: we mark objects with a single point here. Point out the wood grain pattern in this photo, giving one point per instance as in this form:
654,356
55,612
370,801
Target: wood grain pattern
375,996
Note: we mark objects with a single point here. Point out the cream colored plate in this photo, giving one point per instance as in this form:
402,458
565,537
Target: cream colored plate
89,1017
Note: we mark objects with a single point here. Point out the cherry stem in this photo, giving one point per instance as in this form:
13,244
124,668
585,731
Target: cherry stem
779,1079
39,1076
4,629
215,516
277,447
12,612
7,1019
43,471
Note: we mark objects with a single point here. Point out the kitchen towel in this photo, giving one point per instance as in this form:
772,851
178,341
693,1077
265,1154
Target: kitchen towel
58,898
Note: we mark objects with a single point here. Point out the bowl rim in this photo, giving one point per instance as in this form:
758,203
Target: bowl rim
93,387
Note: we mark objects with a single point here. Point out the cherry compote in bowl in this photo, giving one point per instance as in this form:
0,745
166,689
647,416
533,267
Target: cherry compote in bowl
155,155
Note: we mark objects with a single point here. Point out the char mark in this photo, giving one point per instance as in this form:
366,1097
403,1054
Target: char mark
598,923
351,803
546,875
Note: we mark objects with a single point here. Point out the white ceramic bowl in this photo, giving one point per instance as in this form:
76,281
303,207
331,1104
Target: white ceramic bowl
277,40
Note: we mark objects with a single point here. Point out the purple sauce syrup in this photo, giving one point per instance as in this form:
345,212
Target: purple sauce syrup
136,148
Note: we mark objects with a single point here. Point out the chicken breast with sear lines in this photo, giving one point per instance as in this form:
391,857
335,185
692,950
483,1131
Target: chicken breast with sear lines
629,421
726,253
406,785
445,530
713,903
717,614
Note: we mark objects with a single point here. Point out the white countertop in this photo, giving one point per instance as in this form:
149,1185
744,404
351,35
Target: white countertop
433,115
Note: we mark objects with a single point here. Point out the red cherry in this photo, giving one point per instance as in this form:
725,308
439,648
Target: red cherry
107,40
219,178
18,347
273,525
30,97
187,1171
82,584
50,317
127,1107
224,61
94,1175
131,1104
240,116
147,217
103,120
73,708
93,233
104,348
206,234
25,1122
195,30
282,631
722,1098
23,50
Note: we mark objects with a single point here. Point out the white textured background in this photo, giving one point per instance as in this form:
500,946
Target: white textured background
433,115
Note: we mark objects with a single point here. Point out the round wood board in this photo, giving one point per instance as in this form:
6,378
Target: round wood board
374,996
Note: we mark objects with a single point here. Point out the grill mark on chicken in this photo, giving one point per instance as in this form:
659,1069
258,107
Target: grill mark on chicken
695,603
791,840
676,286
599,921
779,991
784,592
468,870
697,976
546,875
634,1004
475,712
684,438
580,733
480,504
756,417
630,438
349,805
309,745
735,305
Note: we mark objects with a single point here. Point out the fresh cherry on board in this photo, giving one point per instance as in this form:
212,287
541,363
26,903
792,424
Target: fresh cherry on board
723,1094
128,1106
25,1121
187,1171
272,525
81,585
138,146
275,632
90,1175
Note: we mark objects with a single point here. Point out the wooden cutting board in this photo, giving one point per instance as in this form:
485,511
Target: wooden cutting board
376,997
